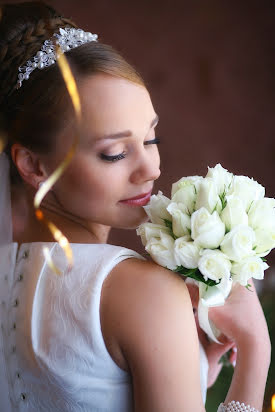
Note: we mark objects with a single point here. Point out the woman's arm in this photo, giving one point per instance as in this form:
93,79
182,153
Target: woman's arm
248,384
214,351
147,311
153,323
242,320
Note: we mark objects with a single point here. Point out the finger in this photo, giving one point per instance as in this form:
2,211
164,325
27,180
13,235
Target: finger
194,294
233,356
215,351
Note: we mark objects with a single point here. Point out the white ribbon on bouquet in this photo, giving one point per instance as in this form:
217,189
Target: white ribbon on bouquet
211,296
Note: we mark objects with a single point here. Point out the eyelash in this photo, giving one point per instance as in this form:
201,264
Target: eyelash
123,154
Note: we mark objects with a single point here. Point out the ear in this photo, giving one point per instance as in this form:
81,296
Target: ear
28,165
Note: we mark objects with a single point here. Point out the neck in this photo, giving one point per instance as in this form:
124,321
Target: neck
28,229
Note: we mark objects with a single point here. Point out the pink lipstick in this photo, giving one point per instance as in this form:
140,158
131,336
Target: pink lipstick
140,200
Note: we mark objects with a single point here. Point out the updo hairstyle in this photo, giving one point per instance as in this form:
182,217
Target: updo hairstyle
34,114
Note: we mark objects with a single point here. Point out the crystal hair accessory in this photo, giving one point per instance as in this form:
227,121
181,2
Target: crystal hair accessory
67,39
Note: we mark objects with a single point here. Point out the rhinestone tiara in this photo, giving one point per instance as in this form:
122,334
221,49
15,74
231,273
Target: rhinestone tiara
67,39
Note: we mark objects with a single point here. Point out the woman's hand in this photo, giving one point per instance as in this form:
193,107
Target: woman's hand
241,318
214,351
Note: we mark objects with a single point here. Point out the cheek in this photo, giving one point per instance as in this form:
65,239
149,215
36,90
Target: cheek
88,181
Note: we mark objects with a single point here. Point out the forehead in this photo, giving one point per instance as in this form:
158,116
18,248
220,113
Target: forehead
111,104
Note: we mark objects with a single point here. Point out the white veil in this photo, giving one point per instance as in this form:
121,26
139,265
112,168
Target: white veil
5,201
7,263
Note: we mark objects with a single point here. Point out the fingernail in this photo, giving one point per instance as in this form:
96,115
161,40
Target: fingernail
234,363
234,349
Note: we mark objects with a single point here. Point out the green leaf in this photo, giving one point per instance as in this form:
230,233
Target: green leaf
223,199
168,224
263,259
249,286
250,206
194,274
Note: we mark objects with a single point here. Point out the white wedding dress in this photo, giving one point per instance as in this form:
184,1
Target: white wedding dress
53,356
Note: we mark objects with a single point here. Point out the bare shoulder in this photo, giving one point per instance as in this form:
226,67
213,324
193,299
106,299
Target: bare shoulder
147,318
144,274
141,291
136,289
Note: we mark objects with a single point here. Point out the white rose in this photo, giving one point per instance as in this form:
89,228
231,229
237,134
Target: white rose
186,253
181,222
265,240
246,189
234,213
238,243
207,230
148,230
207,196
156,208
186,195
261,214
221,177
214,265
252,266
194,180
162,250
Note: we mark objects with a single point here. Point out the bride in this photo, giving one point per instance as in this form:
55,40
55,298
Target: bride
116,332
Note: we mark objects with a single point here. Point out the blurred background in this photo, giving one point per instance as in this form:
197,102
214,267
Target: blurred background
209,66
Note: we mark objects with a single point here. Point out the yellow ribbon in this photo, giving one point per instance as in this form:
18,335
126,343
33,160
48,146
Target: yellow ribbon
48,184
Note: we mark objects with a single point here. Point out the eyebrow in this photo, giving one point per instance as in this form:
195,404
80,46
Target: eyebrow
126,133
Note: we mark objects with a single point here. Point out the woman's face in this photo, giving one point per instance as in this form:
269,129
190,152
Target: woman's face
117,157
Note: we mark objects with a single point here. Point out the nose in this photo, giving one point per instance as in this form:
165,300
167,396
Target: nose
147,168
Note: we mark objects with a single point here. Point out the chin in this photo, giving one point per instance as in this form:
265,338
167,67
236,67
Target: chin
136,224
133,222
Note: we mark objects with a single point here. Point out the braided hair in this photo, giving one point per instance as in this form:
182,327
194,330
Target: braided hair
23,30
34,114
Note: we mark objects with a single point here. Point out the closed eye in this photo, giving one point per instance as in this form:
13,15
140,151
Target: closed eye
153,141
114,158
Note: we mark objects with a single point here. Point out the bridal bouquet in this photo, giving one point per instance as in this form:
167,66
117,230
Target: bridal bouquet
216,230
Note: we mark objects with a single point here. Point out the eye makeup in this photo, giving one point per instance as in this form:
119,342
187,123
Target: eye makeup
114,158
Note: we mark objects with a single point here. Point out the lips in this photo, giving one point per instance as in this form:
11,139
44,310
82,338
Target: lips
140,200
137,197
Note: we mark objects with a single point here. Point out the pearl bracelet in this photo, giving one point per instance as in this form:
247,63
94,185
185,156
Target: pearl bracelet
236,406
